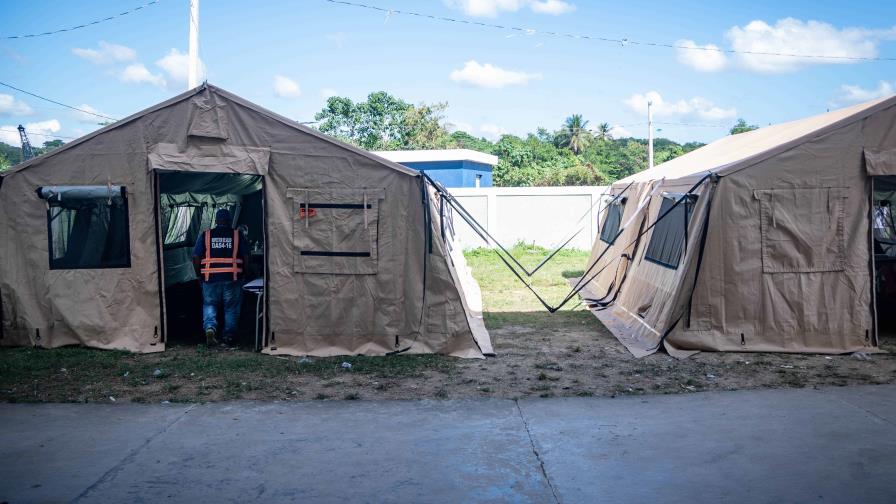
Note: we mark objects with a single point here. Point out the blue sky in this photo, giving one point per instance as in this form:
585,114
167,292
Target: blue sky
288,56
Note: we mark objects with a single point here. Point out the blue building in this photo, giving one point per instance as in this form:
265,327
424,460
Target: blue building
451,167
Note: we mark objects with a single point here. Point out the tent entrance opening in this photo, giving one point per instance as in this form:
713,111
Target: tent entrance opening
884,238
187,207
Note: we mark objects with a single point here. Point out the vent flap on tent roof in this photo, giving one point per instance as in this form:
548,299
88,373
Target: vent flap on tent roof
208,118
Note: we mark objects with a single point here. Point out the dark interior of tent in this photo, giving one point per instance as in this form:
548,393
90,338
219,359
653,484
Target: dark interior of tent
884,233
187,207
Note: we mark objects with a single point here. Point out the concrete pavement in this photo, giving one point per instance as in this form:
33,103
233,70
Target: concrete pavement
831,445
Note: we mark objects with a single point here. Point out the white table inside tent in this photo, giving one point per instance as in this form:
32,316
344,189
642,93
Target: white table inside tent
257,287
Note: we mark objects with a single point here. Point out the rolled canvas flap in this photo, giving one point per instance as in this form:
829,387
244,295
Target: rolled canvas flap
218,158
880,161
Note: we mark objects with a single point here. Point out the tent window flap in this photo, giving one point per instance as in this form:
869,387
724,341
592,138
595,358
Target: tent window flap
612,222
335,230
668,237
87,227
802,230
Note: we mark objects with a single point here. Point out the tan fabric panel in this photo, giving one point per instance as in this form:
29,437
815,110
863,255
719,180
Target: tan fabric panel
611,266
346,231
214,157
323,314
208,118
880,161
653,297
816,294
802,229
115,308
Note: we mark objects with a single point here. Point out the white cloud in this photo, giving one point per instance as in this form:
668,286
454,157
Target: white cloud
326,93
704,58
852,93
176,66
9,134
106,54
84,117
137,73
552,7
491,8
793,36
695,107
10,106
492,131
490,76
284,87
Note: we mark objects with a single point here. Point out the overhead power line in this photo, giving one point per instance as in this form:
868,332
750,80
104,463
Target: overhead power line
620,41
30,133
78,27
10,86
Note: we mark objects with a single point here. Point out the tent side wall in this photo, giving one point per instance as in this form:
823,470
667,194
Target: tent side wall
787,265
647,302
105,308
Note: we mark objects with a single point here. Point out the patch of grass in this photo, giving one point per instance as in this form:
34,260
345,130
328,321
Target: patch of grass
85,374
573,273
552,366
503,292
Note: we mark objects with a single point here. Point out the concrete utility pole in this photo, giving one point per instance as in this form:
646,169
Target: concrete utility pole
649,134
193,76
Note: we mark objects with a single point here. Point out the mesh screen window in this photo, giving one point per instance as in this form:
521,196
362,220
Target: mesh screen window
88,233
612,222
668,237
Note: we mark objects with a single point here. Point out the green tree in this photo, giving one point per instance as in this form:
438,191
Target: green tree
384,122
4,162
741,126
574,135
569,156
603,132
464,140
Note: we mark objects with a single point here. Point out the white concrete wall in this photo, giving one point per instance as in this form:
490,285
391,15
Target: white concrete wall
541,215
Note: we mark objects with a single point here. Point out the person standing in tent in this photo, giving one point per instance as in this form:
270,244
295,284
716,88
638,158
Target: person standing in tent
219,257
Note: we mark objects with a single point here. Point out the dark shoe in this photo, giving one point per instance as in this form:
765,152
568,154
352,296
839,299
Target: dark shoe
210,337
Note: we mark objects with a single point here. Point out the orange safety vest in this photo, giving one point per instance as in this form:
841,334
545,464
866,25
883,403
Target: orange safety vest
221,264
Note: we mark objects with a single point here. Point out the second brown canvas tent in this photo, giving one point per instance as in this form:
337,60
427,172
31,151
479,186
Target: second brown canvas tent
92,234
759,241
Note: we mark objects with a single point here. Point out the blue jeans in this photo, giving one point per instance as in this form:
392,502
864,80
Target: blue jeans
215,295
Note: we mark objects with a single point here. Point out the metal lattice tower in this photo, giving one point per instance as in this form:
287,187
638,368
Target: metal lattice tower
27,151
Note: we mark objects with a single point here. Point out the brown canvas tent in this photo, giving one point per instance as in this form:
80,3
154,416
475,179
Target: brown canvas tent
760,241
93,234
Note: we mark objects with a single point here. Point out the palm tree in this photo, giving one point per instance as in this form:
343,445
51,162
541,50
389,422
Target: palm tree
574,135
603,132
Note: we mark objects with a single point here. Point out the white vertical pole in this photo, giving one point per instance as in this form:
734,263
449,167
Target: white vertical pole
193,76
649,134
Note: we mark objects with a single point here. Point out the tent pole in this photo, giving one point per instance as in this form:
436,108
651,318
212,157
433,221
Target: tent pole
873,261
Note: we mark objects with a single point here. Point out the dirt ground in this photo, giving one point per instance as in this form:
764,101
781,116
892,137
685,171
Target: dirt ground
539,355
568,353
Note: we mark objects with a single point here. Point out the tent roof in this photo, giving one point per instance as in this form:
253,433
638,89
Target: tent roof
230,96
735,152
